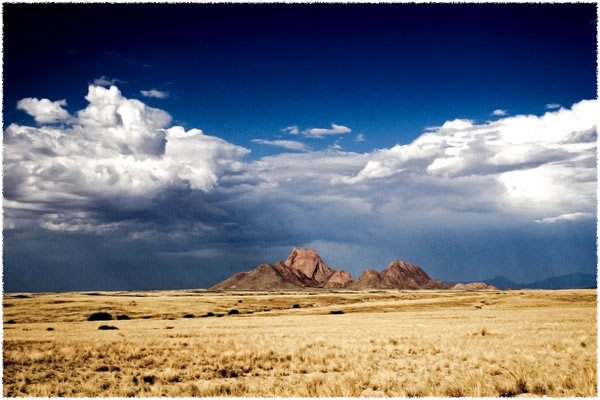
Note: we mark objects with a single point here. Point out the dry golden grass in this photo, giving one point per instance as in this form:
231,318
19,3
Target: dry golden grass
387,343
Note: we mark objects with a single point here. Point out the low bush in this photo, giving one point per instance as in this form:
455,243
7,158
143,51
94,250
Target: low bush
100,316
107,327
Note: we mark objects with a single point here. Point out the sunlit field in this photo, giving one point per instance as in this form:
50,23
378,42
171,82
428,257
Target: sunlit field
380,343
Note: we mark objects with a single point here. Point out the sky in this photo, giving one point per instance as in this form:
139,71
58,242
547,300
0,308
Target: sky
170,146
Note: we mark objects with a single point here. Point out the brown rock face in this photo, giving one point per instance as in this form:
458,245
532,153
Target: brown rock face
370,279
261,278
339,279
402,275
435,284
307,264
290,276
400,269
405,276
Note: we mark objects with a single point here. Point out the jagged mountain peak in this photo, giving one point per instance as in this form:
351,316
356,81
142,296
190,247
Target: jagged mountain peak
306,263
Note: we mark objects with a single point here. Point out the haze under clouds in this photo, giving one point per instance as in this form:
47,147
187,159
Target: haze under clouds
117,173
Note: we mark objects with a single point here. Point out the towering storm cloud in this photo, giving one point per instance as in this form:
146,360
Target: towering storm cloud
116,155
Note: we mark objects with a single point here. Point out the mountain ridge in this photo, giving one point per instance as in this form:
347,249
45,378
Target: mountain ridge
304,268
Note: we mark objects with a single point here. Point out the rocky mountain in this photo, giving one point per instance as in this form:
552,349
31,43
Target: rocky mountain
398,275
304,268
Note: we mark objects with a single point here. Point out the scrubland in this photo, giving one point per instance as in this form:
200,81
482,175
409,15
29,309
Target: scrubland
386,343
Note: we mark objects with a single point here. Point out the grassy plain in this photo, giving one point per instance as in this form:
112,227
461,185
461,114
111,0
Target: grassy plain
387,343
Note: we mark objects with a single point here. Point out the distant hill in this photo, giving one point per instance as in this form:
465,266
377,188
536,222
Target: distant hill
304,268
570,281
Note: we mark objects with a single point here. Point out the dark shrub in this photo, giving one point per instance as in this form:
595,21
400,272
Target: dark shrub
220,315
233,311
189,316
250,312
103,368
100,316
49,329
122,316
226,373
107,327
296,306
149,379
147,317
21,296
239,301
266,310
208,314
336,312
10,322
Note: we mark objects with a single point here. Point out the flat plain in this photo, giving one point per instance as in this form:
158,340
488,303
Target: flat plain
379,343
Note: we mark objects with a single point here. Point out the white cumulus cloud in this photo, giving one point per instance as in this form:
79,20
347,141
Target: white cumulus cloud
157,94
499,113
320,132
106,81
292,130
565,217
542,165
286,144
44,111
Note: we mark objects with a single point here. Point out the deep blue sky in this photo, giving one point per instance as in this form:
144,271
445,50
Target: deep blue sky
243,72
